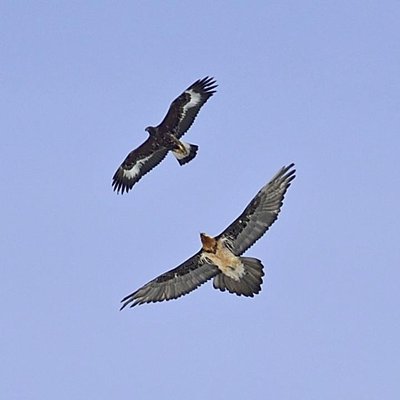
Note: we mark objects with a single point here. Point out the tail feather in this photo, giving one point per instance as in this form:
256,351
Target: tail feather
183,157
248,285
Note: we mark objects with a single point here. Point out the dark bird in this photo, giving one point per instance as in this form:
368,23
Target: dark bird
221,257
165,137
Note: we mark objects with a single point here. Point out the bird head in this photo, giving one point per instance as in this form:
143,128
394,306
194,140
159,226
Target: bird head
151,130
209,243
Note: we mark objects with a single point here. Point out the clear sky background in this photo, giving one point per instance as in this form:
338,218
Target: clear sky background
315,83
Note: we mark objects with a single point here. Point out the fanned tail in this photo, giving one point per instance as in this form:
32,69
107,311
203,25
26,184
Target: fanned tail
248,285
185,153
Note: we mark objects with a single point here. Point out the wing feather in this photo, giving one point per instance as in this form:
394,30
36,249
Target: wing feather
137,164
173,284
184,109
260,214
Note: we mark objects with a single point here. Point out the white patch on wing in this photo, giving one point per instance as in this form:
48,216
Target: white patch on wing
229,264
195,99
135,170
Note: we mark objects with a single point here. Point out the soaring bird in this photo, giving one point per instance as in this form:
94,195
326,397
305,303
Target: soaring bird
166,136
221,257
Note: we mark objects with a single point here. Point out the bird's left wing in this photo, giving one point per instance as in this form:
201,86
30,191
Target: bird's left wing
173,284
184,109
260,214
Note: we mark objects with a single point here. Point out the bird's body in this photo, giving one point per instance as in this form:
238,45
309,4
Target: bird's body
221,257
166,136
218,253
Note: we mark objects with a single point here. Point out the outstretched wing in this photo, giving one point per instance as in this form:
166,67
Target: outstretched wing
138,163
260,214
173,284
184,109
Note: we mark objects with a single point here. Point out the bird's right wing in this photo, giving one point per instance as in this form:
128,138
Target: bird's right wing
173,284
138,163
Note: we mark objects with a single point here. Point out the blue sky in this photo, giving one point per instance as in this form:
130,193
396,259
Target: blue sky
315,83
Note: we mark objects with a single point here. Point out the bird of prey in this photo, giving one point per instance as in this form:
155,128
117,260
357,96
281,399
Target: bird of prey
166,136
221,257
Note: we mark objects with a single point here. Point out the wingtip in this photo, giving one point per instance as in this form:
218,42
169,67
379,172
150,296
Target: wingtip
288,167
208,84
125,305
127,302
119,185
288,171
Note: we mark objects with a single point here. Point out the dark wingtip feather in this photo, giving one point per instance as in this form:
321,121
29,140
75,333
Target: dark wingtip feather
119,185
206,85
129,299
285,174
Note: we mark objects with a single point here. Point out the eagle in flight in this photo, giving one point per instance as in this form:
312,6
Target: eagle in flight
166,136
221,257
